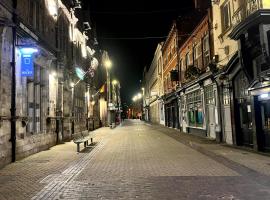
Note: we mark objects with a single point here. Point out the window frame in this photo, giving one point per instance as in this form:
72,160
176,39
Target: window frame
222,11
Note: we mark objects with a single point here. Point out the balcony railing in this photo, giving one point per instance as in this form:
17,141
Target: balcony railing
247,8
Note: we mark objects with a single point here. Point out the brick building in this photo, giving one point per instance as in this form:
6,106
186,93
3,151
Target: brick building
180,31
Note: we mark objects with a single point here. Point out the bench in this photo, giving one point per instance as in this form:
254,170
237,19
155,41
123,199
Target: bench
82,137
86,135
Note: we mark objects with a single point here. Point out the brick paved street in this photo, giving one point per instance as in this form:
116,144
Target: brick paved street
139,161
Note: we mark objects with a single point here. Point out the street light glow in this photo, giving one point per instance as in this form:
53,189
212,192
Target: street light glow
108,64
139,96
134,98
114,82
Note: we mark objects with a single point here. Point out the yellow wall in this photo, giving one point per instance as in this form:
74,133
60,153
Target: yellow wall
221,40
266,4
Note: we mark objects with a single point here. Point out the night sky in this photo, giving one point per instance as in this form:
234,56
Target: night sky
115,21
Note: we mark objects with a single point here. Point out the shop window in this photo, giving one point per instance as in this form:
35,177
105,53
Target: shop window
34,102
195,109
226,96
241,85
209,95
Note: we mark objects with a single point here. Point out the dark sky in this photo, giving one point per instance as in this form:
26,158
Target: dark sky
133,19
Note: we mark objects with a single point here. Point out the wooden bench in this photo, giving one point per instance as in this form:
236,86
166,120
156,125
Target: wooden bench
82,137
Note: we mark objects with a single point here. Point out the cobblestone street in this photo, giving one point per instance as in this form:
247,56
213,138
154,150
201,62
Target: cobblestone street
139,161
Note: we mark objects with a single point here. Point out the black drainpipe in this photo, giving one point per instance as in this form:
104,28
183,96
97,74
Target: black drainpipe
13,86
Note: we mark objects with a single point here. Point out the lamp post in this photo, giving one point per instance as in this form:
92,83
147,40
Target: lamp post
108,65
116,89
13,86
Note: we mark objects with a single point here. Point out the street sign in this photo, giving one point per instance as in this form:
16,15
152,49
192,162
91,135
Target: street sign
27,65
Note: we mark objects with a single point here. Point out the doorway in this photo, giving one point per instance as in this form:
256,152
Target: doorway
265,114
245,124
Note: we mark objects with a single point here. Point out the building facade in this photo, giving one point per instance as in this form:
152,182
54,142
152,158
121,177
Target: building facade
198,93
248,76
46,93
153,89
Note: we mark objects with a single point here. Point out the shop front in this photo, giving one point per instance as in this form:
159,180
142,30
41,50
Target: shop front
172,112
194,111
252,112
260,93
244,126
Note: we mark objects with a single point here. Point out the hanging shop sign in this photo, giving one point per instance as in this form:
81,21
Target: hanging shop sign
27,64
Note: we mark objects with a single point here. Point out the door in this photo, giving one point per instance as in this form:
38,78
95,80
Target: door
265,113
173,117
246,133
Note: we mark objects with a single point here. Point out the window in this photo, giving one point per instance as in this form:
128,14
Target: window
209,95
34,101
206,51
31,13
195,109
37,16
183,68
159,66
188,59
225,16
198,55
226,96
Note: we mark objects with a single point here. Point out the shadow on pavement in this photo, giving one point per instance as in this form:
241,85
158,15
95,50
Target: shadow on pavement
89,148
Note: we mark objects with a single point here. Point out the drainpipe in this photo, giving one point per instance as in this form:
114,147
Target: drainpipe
219,135
13,86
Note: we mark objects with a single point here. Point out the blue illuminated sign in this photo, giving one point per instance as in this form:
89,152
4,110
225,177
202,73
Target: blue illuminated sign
27,65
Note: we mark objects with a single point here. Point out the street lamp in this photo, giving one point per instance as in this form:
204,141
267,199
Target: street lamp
108,65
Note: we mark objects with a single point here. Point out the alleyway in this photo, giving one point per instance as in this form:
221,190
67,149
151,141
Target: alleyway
139,161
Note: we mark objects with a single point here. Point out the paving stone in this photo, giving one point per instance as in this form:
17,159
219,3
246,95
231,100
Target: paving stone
138,161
